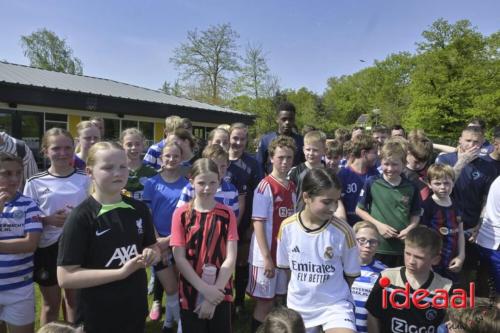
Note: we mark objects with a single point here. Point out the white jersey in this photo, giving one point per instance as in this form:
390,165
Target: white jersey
318,260
53,193
489,232
19,217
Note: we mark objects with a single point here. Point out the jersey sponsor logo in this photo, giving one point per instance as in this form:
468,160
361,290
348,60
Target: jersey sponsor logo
402,326
476,175
328,253
405,199
100,233
285,211
296,249
312,273
446,231
138,223
123,254
431,314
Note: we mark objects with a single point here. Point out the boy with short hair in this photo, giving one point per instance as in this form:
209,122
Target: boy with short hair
333,154
314,150
421,252
417,162
20,230
441,215
274,200
392,203
363,156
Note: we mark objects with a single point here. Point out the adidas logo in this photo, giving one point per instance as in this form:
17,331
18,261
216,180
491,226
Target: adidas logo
46,191
296,249
278,199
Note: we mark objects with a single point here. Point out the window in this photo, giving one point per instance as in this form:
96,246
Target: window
148,129
55,120
128,124
111,129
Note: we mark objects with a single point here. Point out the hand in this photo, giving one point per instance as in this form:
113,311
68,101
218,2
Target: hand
269,268
205,310
402,234
473,234
163,243
131,266
456,264
212,294
4,197
150,257
387,231
468,155
57,219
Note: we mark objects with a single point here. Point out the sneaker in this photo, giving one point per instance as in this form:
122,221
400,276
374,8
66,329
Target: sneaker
155,312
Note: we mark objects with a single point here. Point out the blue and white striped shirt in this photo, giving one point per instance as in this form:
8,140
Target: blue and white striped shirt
152,157
227,194
20,216
361,288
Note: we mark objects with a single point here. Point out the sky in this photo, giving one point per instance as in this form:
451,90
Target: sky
305,42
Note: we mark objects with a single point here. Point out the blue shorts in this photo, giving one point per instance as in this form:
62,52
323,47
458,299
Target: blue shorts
492,260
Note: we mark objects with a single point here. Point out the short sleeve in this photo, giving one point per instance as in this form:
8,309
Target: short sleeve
29,191
74,241
178,235
350,257
282,260
262,200
233,227
32,222
147,195
187,195
416,202
373,303
149,231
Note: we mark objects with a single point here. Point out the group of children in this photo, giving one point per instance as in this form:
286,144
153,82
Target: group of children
326,233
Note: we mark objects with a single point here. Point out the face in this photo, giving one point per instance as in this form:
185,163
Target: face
238,140
110,172
171,158
134,146
286,122
397,132
391,168
442,187
222,165
10,178
419,260
413,163
324,205
183,143
313,152
356,133
222,139
282,159
367,240
468,140
332,161
60,150
496,145
380,137
205,185
88,136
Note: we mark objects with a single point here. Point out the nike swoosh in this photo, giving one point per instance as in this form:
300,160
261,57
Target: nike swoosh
100,233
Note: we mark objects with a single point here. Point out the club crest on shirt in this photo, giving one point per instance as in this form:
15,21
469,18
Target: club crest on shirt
328,253
138,223
405,199
476,174
18,214
431,314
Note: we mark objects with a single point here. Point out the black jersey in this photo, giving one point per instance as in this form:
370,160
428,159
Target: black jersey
97,236
412,319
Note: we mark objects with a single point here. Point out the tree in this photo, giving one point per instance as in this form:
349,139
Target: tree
174,89
46,50
209,56
255,71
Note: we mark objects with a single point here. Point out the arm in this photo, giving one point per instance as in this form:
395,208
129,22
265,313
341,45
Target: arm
27,244
385,230
444,148
414,220
340,212
457,262
349,280
260,236
76,277
29,163
227,268
373,324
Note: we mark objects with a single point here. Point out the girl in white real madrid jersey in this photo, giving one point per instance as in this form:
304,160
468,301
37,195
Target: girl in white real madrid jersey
56,191
320,251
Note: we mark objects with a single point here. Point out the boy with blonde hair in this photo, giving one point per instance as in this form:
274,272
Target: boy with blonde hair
392,203
314,151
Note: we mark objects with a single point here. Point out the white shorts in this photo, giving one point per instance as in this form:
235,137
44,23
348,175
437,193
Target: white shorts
339,315
260,286
17,306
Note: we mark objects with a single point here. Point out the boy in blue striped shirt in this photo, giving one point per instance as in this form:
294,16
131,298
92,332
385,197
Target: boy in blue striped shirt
20,230
367,237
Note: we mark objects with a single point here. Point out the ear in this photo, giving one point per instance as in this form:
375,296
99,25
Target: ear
305,197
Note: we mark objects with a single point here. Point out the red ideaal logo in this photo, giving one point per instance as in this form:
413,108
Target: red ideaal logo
422,299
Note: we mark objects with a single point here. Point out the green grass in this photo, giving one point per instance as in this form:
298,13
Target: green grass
241,325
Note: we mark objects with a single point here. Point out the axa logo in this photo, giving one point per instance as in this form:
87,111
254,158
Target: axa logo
123,254
423,298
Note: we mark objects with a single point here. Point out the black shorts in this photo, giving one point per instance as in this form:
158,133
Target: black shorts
220,322
45,265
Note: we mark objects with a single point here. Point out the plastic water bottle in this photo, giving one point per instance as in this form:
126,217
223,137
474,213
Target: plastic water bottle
208,275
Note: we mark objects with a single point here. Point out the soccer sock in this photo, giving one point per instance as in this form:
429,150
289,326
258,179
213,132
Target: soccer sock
255,325
241,281
157,291
172,309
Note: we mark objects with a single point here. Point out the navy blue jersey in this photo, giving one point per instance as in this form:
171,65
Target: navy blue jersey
471,187
495,163
263,156
352,184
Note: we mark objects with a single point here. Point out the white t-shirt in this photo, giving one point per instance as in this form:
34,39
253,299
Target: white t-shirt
318,260
489,232
272,203
52,193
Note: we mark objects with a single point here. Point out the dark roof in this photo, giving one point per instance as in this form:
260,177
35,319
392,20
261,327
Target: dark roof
20,75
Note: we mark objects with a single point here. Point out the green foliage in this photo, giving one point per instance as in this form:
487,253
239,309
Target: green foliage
46,50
